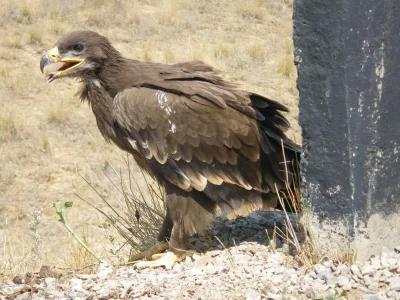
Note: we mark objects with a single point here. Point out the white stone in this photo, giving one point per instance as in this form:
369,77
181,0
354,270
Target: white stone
367,269
394,283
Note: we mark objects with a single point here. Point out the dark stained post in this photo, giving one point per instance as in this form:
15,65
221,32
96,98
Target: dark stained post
348,55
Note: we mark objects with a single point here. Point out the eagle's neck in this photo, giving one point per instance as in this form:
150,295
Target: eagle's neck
101,105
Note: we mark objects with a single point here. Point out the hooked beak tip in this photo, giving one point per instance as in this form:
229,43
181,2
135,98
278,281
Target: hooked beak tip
44,61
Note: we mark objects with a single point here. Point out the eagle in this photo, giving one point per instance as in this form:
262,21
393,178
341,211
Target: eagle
211,145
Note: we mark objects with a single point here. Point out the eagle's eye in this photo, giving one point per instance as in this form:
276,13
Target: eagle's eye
78,47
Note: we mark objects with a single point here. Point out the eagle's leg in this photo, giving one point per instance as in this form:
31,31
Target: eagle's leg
189,213
162,242
178,244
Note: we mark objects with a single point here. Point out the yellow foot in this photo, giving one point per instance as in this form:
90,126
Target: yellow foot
166,260
157,248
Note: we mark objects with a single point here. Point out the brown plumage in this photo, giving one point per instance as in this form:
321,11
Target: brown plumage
207,142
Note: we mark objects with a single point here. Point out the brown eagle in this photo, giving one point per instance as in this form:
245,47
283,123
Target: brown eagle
210,144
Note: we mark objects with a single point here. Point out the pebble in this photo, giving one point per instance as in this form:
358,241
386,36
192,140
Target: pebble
367,269
376,262
252,295
356,271
247,269
274,296
394,283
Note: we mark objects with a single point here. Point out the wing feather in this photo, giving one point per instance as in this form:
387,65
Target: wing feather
203,130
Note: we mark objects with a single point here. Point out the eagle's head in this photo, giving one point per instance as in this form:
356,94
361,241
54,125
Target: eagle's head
77,54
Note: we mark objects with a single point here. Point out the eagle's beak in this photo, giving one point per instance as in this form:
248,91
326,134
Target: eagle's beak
61,65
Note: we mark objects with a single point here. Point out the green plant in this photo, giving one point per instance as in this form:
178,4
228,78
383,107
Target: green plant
60,208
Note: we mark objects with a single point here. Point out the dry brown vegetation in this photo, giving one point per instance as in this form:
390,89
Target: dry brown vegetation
48,139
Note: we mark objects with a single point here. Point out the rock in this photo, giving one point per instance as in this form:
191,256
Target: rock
370,297
384,259
397,249
356,271
241,259
394,283
195,257
104,294
319,268
315,293
280,270
367,280
202,261
177,268
104,270
199,281
376,262
47,271
344,283
331,280
24,296
274,289
327,264
386,274
273,296
276,258
75,284
377,276
342,270
18,279
277,279
312,274
210,270
391,294
393,265
222,269
367,269
374,286
252,295
302,271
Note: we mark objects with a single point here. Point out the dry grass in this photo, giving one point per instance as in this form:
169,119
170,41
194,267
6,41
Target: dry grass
147,56
79,258
19,256
300,235
57,113
256,50
136,209
169,11
46,142
16,42
11,127
169,56
224,50
250,9
286,66
36,35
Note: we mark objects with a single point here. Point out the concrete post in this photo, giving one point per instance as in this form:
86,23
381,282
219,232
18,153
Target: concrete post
348,55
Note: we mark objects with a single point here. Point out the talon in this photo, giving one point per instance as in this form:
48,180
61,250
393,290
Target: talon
157,248
166,260
157,256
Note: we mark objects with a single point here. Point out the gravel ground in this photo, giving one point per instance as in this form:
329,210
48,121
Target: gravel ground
240,265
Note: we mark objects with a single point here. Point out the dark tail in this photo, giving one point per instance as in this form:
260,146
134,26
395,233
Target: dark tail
280,157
